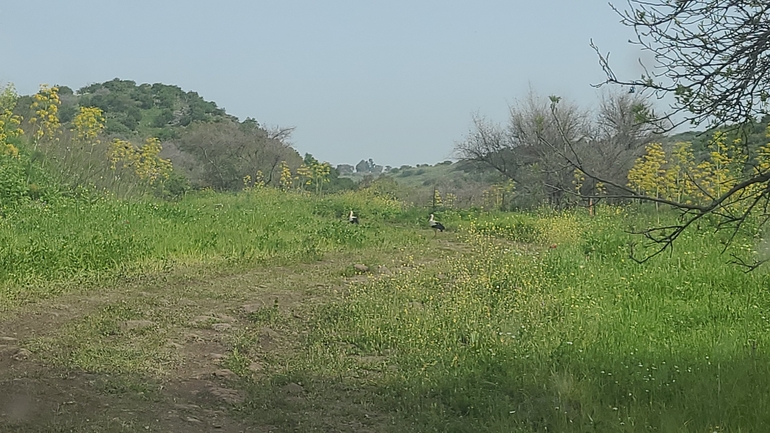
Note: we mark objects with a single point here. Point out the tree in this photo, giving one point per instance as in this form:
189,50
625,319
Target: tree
542,147
521,151
362,167
345,169
220,154
711,55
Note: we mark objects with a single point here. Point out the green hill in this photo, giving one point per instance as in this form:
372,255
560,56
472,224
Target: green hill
144,110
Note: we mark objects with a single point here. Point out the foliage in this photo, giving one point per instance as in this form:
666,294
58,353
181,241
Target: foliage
13,179
286,180
220,154
147,109
143,161
498,195
88,124
647,174
710,57
9,122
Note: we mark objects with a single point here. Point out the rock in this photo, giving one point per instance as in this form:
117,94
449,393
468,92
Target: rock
22,354
221,327
383,270
255,367
361,268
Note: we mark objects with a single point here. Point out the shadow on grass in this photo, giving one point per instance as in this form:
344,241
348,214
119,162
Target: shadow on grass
619,394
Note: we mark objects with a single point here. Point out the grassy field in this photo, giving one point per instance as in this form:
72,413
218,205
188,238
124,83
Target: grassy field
252,312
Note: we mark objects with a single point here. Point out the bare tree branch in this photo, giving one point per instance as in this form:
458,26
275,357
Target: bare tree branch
711,55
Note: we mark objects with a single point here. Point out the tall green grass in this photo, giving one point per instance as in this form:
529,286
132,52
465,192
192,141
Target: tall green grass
574,338
74,237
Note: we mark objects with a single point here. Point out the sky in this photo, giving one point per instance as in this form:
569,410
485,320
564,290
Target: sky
395,81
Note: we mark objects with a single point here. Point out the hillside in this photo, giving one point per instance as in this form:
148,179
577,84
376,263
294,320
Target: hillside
131,110
206,146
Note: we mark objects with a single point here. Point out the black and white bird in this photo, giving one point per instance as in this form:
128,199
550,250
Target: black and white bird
352,219
435,225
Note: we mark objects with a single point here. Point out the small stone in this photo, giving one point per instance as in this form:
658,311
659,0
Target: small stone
361,268
221,327
193,420
22,354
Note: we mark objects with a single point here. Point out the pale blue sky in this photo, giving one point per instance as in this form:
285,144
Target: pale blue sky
396,81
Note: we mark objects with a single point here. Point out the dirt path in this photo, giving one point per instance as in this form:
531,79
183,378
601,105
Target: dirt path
153,354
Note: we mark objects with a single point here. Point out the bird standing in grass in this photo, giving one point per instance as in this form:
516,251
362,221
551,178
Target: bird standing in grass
435,225
352,219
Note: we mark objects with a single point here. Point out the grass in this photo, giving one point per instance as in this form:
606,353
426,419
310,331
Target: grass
41,244
558,340
510,322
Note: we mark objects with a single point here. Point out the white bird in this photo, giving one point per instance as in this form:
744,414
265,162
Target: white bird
352,219
435,225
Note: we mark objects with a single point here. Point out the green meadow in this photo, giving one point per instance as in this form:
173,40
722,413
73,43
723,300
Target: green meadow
507,322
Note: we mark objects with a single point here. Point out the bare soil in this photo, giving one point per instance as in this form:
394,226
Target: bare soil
187,321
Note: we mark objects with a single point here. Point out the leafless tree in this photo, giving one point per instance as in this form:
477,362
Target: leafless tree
542,147
619,134
517,151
